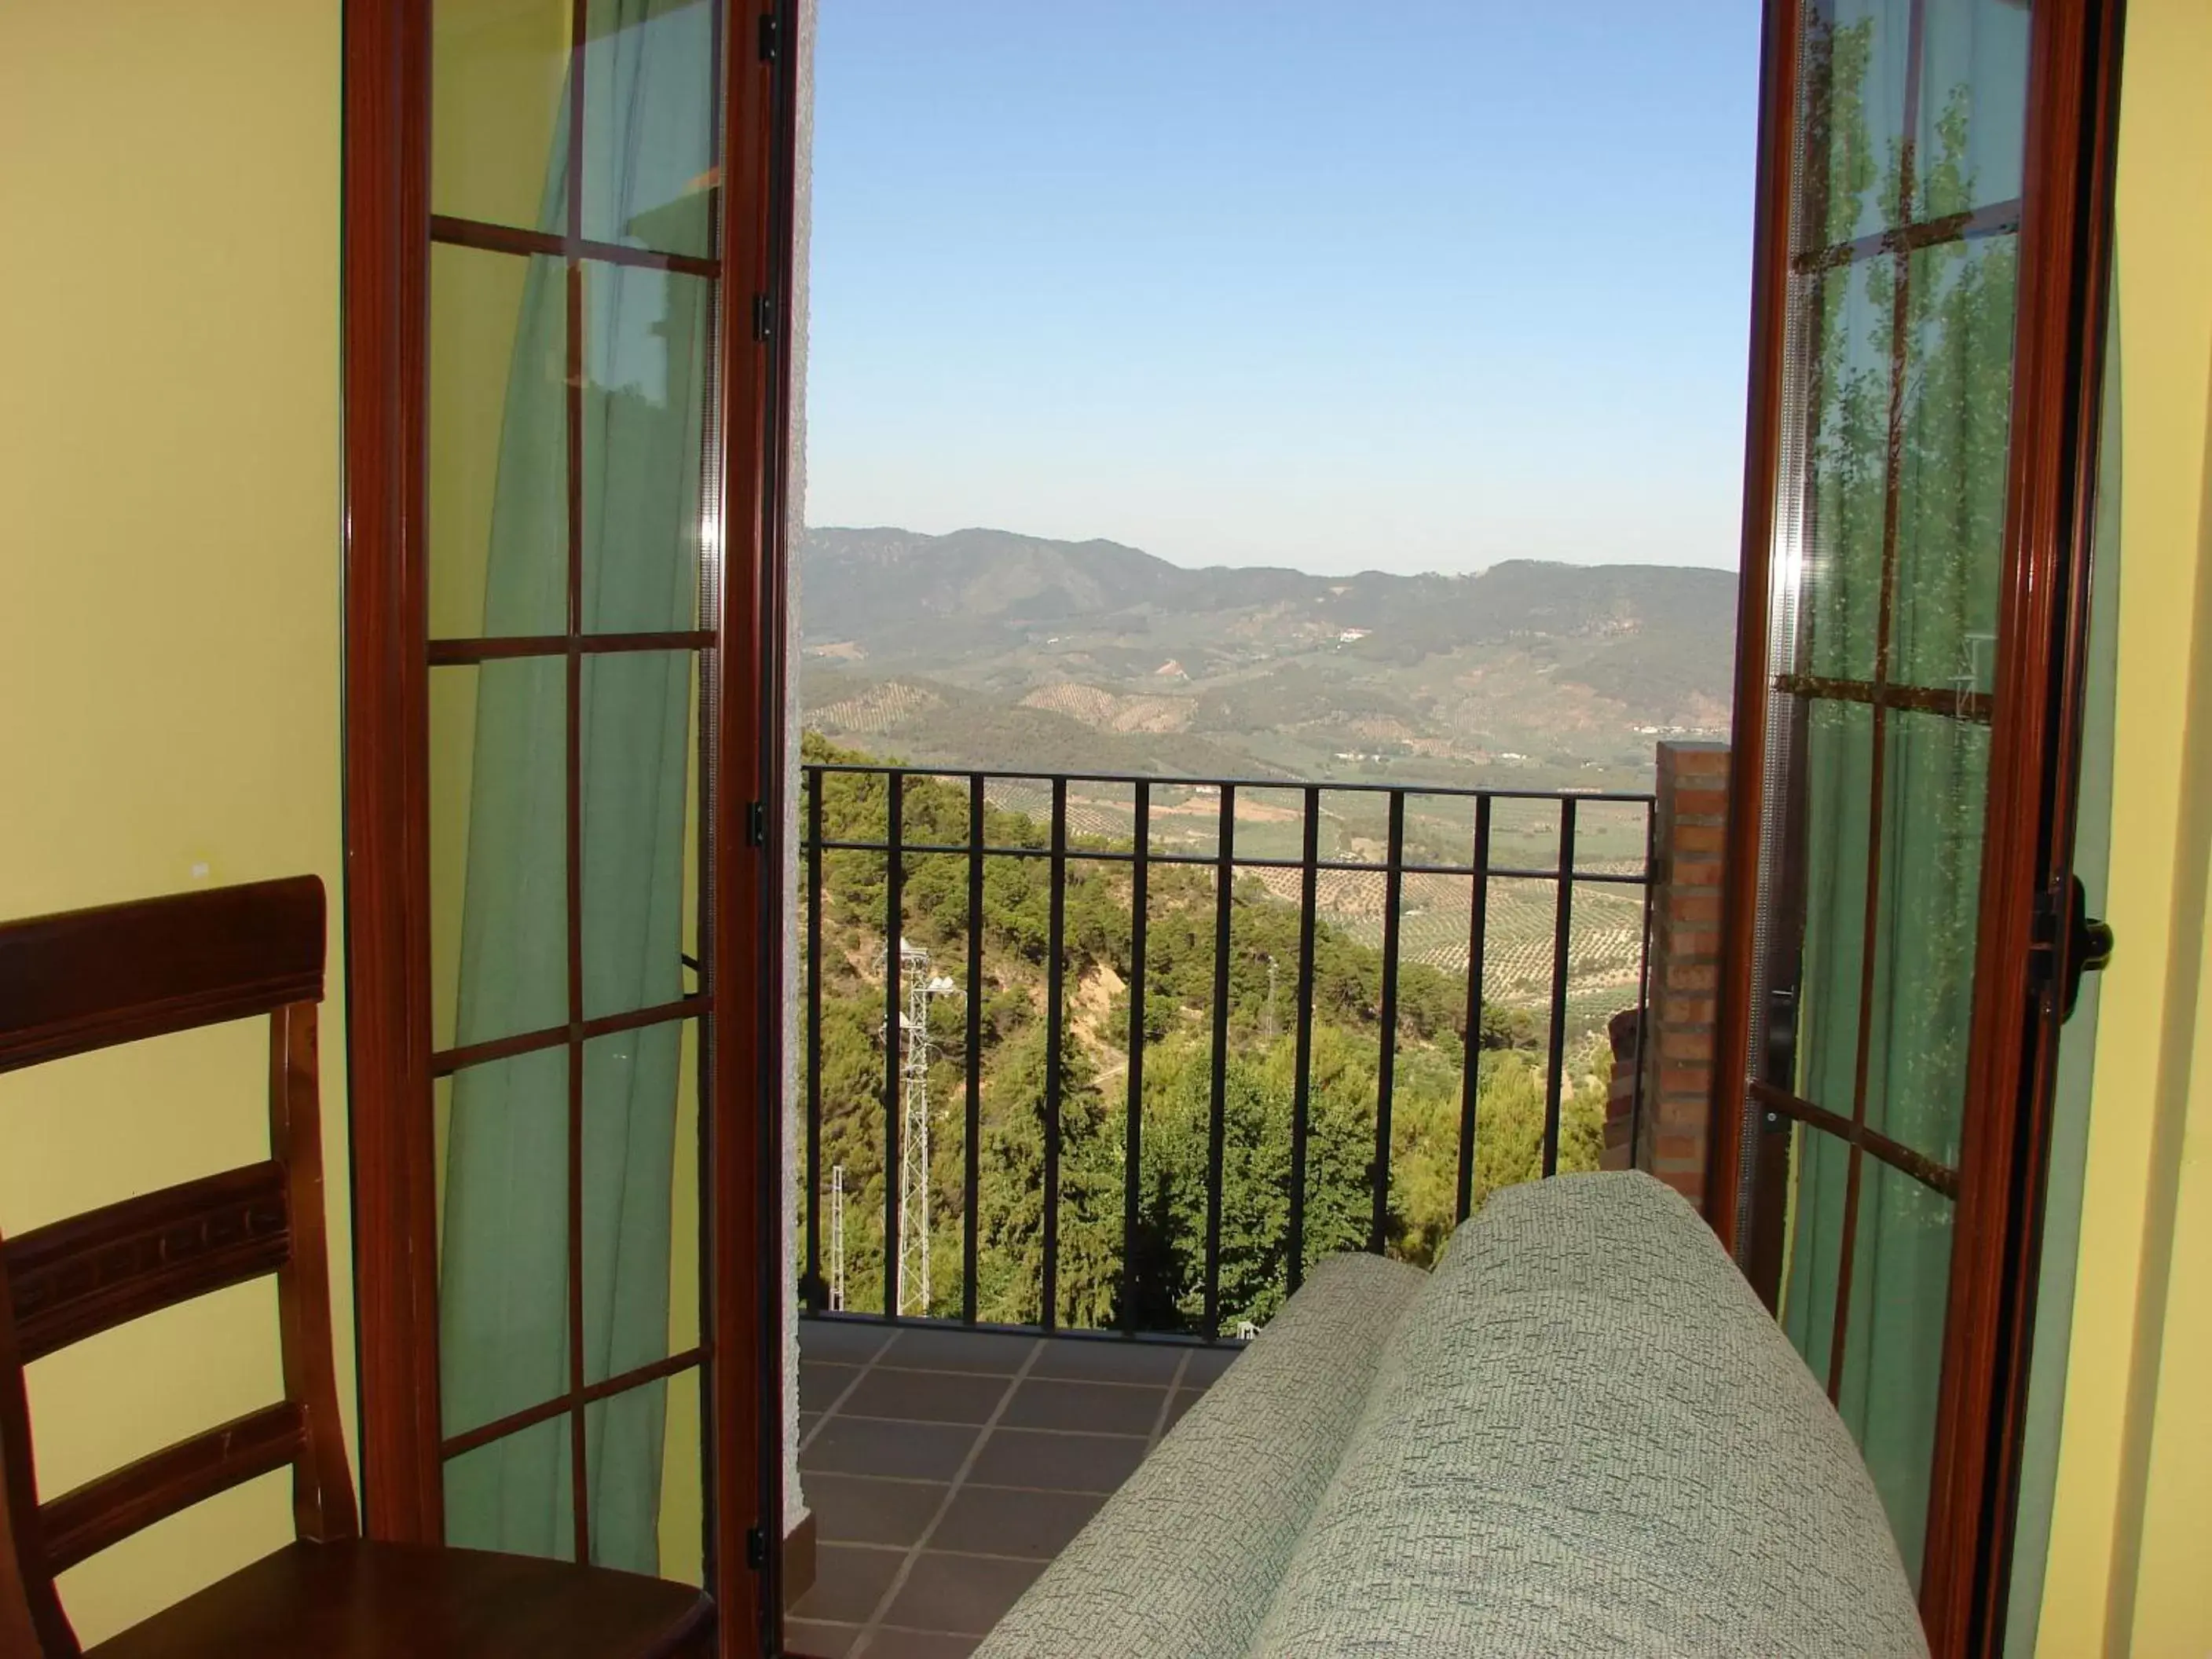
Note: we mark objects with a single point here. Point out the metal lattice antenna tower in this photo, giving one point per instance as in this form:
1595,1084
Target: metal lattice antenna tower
837,1237
921,989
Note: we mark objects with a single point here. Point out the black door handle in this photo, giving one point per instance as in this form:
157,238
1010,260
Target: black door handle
2088,946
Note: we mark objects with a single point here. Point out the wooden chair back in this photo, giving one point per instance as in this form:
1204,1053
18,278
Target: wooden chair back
91,979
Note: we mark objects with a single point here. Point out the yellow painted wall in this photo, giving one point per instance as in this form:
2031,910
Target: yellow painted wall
169,643
2130,1560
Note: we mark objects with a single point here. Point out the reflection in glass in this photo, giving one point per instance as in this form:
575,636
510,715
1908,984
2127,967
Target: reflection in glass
1836,772
641,1198
638,760
1853,70
503,1330
1819,1163
453,692
499,890
1904,545
1937,790
1894,1356
1847,488
498,86
645,381
1971,137
515,1494
683,1517
497,447
512,387
649,124
1952,465
642,1447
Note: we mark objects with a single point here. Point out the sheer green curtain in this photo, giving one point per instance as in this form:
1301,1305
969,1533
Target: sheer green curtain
1906,232
504,1291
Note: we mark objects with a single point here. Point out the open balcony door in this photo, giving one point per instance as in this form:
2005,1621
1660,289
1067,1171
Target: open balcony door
1928,332
566,244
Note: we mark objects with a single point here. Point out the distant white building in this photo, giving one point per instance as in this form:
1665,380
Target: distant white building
1349,636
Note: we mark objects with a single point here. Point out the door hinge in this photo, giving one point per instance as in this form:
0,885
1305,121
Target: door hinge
756,824
757,1547
771,33
763,316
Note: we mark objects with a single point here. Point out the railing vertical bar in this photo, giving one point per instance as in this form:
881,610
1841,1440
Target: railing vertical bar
1643,1032
1477,930
1302,1085
1555,1064
894,1035
817,1298
1224,892
1133,1150
1056,974
971,1167
1386,1067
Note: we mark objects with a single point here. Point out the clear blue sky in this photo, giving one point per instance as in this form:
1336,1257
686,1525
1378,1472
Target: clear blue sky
1403,284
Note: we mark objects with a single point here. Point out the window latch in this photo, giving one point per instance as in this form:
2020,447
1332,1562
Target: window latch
2088,947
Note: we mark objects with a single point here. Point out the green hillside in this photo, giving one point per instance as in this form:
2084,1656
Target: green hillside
987,648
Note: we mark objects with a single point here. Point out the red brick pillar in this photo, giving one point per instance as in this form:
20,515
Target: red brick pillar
1677,1056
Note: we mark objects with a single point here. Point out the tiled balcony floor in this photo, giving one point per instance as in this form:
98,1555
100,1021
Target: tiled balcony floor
946,1466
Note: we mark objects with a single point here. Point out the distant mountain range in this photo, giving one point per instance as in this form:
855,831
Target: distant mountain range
986,647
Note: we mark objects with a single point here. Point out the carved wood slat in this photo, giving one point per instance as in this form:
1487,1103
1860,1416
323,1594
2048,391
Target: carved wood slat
84,980
82,1523
101,1269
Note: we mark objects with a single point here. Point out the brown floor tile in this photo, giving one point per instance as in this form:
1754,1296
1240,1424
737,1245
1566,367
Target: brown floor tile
926,1396
820,1382
848,1581
1097,1407
1056,1463
1207,1363
852,1508
960,1350
806,1422
1184,1399
1099,1361
888,1643
847,1342
963,1595
912,1451
811,1639
992,1521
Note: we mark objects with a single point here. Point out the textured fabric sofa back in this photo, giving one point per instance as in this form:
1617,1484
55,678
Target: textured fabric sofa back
1181,1562
1589,1436
1582,1434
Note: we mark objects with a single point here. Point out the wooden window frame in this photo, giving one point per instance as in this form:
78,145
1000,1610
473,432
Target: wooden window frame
388,231
2034,713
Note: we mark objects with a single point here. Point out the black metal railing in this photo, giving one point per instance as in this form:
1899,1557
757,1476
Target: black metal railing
863,814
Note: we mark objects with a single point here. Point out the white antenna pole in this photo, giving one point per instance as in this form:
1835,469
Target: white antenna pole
837,1237
914,1131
